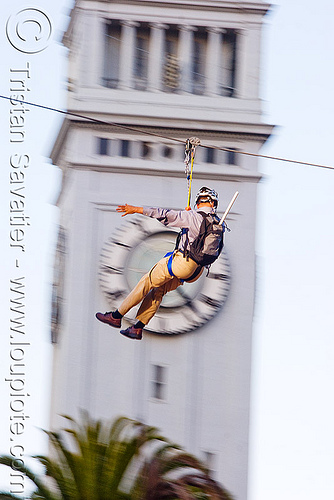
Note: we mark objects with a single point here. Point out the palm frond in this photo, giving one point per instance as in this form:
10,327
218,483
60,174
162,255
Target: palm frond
69,463
42,489
61,476
8,496
125,460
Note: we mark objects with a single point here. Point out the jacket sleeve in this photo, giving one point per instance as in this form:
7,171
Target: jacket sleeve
171,218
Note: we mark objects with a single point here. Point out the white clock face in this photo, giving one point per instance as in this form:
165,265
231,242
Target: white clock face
133,250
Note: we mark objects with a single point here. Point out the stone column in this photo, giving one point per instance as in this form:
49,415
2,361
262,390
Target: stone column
248,62
92,52
213,60
241,64
156,56
185,57
127,53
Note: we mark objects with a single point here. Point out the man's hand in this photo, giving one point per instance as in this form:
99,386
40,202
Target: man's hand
129,209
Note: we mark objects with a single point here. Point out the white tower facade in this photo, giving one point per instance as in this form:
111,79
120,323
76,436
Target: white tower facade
152,74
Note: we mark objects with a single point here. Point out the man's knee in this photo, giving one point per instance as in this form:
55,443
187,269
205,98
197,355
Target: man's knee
157,294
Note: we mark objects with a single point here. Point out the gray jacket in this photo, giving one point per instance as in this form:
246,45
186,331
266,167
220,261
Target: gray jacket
182,219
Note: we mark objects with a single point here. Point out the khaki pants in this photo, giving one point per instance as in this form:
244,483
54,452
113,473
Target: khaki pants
156,283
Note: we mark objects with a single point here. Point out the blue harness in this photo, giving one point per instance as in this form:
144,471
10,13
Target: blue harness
169,267
170,254
169,263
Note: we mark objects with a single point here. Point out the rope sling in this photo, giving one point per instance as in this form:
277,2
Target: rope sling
191,145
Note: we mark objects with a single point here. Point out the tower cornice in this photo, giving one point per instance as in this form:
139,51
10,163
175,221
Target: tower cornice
217,5
257,9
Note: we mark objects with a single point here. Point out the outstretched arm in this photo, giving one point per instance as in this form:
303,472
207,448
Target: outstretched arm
129,209
167,217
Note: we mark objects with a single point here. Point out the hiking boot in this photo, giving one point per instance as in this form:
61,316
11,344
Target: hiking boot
109,319
133,333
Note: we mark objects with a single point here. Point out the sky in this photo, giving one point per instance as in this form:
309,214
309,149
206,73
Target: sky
292,452
292,438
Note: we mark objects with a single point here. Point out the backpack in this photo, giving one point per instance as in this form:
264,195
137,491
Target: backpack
207,246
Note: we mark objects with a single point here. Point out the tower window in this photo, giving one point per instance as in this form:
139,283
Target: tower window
125,147
228,69
171,73
171,41
141,58
210,155
210,459
198,77
103,146
145,150
232,156
111,55
159,377
167,152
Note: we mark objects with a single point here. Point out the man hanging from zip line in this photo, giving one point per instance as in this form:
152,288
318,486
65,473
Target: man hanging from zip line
175,268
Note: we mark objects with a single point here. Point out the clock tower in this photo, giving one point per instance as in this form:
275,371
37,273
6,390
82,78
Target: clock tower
151,75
